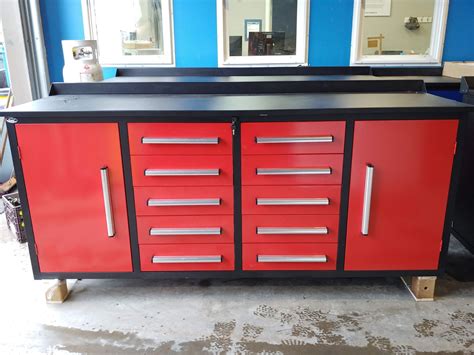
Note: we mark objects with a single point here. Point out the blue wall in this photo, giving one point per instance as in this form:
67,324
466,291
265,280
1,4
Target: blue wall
195,32
330,31
459,41
62,19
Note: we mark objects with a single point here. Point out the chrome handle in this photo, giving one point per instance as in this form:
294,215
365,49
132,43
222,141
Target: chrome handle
292,259
292,201
369,175
182,172
150,140
184,202
309,171
318,139
278,230
109,217
187,259
184,231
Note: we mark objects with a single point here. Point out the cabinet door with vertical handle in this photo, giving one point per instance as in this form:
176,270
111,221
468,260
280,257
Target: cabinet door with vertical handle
399,185
76,194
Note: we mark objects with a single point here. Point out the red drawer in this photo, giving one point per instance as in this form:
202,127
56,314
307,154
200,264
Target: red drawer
291,199
184,201
290,229
187,257
292,138
185,229
156,170
180,138
291,169
289,256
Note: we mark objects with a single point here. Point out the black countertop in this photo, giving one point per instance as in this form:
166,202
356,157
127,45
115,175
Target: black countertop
260,105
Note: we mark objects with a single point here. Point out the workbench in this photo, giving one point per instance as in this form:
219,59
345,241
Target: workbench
152,185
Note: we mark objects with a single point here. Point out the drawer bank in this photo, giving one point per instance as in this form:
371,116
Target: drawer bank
262,185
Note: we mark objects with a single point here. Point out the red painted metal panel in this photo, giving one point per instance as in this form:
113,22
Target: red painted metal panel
224,193
221,162
412,163
250,194
61,165
250,224
225,223
252,251
147,252
250,164
222,131
250,132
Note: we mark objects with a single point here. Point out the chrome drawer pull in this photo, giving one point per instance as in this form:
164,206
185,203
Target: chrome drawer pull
369,175
109,216
182,172
292,259
150,140
275,230
273,140
187,259
185,231
292,201
184,202
312,171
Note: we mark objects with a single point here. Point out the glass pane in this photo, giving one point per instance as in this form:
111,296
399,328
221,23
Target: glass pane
260,27
129,27
396,27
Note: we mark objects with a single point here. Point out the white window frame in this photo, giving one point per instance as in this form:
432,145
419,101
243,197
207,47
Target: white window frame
166,59
434,57
300,58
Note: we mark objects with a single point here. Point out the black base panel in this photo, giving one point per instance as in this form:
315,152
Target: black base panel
232,275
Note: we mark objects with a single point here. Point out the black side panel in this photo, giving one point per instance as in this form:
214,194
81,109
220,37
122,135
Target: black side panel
463,223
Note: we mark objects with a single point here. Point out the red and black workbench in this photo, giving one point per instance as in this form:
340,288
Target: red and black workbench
139,180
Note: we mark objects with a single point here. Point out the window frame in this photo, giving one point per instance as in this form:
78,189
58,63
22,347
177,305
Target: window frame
167,59
438,32
299,58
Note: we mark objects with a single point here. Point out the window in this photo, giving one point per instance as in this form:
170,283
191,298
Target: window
137,32
398,31
262,32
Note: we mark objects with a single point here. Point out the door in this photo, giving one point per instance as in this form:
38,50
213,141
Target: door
67,168
403,169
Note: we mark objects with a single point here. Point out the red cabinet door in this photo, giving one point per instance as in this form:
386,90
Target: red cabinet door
62,169
412,162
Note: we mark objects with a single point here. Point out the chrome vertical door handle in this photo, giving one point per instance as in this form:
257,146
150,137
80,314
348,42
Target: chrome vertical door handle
109,217
369,175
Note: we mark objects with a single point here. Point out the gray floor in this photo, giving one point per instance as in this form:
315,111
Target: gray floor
359,316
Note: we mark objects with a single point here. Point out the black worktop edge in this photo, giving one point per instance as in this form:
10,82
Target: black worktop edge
226,116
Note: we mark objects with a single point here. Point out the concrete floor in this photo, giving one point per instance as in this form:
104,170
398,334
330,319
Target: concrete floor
359,316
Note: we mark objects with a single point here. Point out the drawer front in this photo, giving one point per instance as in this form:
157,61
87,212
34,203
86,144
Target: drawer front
180,138
291,169
187,257
290,229
289,256
185,229
291,199
293,138
184,201
155,170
